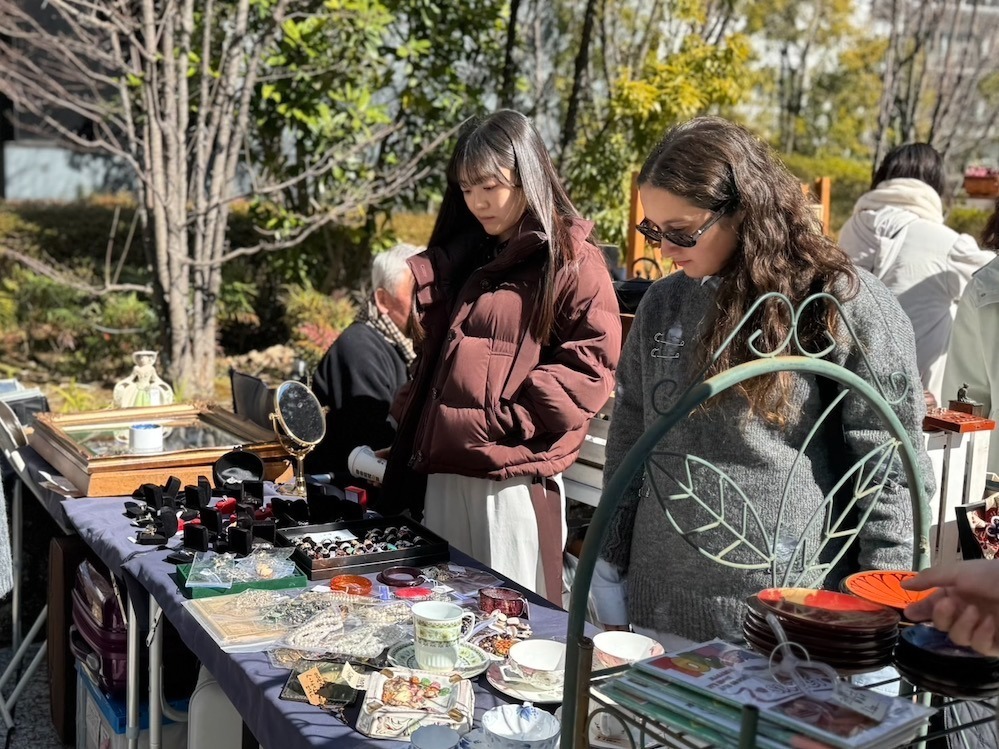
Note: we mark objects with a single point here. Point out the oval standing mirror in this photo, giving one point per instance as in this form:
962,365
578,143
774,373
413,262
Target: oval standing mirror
299,413
302,422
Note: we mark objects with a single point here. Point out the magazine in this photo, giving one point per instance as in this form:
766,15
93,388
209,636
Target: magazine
720,728
848,718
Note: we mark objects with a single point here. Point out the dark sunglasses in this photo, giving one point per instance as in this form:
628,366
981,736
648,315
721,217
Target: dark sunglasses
655,235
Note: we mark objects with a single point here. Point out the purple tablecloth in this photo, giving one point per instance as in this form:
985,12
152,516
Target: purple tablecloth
249,680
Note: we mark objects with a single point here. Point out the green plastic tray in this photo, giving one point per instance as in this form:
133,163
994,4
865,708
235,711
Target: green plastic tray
296,580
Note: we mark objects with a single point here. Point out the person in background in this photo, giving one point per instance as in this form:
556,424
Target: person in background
973,355
520,338
897,232
966,604
368,363
725,210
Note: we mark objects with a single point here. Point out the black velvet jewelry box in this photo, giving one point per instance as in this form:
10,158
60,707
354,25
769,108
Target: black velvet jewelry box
427,547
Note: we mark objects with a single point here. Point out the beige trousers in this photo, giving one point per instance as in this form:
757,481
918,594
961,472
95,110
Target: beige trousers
491,521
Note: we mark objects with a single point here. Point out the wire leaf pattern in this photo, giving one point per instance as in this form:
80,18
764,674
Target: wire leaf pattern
728,527
893,388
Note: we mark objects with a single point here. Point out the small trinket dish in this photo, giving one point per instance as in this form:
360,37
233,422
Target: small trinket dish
401,577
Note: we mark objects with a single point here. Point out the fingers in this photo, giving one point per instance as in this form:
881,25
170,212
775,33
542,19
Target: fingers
945,613
983,638
963,625
922,610
933,577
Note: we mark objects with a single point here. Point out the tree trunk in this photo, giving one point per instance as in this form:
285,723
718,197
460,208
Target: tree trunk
579,74
509,69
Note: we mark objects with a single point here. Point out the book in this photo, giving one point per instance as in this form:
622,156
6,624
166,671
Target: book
845,718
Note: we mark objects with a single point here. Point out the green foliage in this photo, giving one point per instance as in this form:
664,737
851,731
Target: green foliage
821,76
851,178
71,334
968,220
668,88
316,319
73,397
413,228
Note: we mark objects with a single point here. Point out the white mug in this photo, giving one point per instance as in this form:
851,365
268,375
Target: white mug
437,627
145,438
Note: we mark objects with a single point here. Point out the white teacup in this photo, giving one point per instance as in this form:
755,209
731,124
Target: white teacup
538,663
520,727
437,628
613,649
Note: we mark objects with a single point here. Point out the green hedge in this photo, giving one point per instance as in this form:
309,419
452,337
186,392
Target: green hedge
850,180
87,338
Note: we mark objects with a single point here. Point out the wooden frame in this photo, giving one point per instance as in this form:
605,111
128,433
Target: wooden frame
64,440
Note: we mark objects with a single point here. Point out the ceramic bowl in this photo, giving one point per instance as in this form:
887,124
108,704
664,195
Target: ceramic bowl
520,727
540,663
613,649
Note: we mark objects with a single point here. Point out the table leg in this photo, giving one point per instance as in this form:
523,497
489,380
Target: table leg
155,644
132,682
17,555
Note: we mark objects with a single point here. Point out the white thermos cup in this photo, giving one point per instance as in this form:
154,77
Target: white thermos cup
364,464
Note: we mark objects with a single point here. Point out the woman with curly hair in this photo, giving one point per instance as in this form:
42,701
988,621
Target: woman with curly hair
731,217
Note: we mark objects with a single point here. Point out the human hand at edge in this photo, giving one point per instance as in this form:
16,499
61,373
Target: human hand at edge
966,604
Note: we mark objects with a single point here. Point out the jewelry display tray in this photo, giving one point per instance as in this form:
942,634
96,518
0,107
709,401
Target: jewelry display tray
435,551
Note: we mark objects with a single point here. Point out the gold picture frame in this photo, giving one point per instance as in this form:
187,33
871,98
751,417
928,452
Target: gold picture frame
91,448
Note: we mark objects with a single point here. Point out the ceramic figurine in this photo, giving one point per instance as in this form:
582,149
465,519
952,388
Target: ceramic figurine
143,387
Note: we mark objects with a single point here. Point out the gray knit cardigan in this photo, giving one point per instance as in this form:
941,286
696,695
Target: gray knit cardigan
672,586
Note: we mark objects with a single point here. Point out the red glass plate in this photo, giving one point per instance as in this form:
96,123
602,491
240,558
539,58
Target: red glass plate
826,608
885,587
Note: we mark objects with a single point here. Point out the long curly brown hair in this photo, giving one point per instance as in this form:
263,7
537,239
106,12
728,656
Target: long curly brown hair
720,166
990,235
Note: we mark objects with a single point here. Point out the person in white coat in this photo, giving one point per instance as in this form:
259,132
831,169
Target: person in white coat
897,232
973,356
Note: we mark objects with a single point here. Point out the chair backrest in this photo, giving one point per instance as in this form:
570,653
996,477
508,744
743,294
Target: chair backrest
847,505
12,434
251,398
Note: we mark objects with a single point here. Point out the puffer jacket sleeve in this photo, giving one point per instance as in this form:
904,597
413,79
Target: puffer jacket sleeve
568,387
969,357
964,258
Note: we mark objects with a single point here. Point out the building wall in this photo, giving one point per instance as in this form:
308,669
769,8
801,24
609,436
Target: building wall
36,170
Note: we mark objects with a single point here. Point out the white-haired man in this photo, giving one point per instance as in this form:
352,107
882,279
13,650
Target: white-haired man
361,372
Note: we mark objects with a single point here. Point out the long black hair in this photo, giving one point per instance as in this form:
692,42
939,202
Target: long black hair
507,140
914,161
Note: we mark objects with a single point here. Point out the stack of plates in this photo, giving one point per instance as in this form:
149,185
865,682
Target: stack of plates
928,659
848,633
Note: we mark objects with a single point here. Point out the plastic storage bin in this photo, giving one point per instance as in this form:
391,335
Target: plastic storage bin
100,719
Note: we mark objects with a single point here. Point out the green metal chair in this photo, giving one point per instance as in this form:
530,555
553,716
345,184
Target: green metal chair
859,484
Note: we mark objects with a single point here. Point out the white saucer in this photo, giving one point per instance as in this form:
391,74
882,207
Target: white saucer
474,739
519,690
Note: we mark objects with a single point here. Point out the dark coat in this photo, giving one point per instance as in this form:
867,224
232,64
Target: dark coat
357,379
487,399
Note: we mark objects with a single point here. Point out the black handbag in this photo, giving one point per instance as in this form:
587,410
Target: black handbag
630,292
